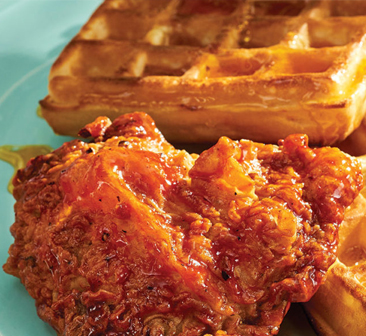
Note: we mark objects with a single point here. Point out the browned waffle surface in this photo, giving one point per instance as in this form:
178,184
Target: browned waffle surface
339,306
206,68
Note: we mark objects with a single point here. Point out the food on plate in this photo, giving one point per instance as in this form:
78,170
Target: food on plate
258,70
355,144
339,306
126,235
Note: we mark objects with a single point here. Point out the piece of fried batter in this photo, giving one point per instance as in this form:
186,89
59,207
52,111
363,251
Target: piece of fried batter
129,236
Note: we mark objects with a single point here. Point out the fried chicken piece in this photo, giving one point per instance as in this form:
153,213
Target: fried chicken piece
127,235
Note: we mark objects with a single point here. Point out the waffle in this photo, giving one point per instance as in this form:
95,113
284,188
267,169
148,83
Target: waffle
355,144
204,68
339,306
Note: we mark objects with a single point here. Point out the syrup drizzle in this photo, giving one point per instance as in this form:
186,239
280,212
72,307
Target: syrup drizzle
18,156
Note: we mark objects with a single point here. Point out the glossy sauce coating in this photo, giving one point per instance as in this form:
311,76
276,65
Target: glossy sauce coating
18,156
129,236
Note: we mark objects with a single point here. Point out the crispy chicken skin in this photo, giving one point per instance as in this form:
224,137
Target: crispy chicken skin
127,235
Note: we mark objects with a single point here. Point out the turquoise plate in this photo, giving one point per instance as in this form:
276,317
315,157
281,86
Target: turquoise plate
32,34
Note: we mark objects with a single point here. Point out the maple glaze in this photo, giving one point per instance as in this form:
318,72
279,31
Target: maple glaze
18,156
129,236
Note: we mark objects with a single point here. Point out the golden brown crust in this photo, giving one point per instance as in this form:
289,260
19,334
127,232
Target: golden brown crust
340,298
339,306
127,235
355,144
256,70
